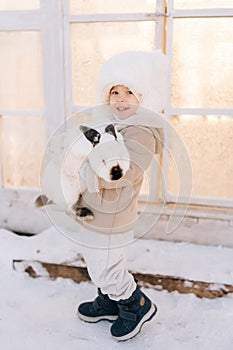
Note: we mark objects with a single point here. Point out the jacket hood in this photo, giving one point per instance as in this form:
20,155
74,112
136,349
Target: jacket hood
144,73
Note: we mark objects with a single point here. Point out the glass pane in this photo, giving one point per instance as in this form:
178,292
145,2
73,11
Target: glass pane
209,143
107,39
20,70
152,178
19,4
22,144
202,67
200,4
146,182
111,6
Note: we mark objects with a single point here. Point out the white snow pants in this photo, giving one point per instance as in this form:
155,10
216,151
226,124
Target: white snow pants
107,264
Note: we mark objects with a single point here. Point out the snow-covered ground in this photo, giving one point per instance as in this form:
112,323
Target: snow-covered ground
40,313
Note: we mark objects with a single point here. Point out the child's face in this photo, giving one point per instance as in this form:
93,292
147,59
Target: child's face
123,102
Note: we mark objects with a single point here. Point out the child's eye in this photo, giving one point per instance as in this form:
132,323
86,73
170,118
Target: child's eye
114,92
130,92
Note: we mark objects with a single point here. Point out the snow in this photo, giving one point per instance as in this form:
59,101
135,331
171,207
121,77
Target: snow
40,313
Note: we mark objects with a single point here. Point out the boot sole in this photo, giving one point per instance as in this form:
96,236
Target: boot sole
89,319
147,317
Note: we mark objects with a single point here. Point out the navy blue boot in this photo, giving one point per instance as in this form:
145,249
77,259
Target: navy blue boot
133,313
102,308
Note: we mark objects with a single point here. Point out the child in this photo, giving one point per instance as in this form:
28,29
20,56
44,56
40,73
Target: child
127,82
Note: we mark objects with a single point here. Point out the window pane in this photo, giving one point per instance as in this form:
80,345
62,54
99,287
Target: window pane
22,144
107,39
202,67
110,6
209,143
19,4
20,70
200,4
146,183
152,178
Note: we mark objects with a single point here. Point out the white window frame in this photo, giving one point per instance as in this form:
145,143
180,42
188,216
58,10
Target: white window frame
170,111
17,204
159,17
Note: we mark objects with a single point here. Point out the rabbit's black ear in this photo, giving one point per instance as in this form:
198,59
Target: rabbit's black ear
110,129
92,135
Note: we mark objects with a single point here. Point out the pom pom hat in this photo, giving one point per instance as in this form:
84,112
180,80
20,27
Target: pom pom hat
144,73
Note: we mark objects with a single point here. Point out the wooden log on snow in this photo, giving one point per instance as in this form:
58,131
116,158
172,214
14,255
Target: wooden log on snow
155,281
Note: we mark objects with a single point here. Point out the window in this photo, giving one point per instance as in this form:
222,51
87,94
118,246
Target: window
201,108
51,53
6,5
22,127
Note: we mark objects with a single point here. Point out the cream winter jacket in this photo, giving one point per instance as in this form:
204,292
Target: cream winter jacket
145,74
115,205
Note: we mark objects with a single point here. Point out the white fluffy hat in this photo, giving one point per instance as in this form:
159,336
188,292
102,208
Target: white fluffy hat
144,73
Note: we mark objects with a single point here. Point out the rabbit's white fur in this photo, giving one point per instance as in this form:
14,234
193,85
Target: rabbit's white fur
75,162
